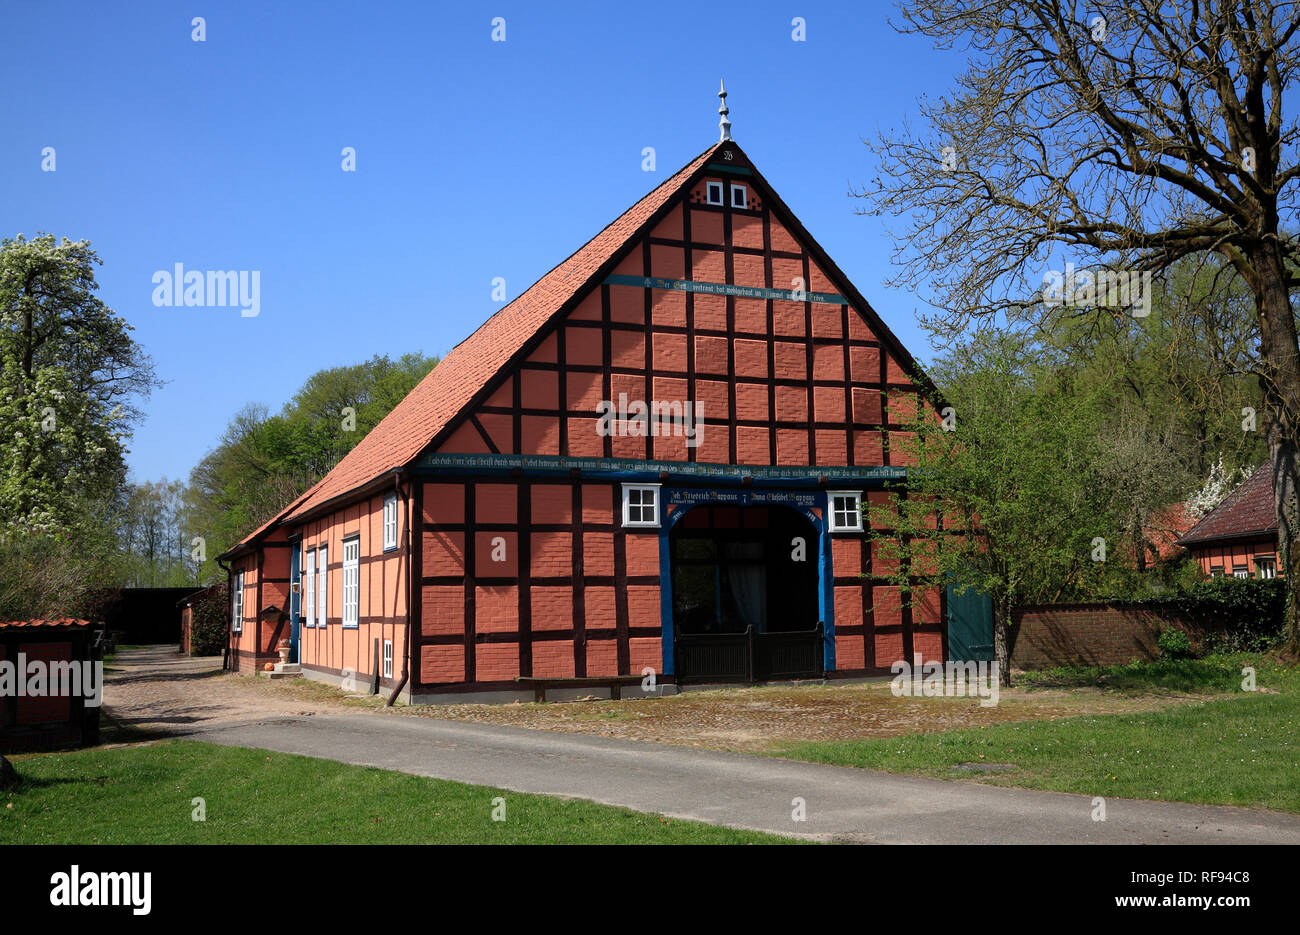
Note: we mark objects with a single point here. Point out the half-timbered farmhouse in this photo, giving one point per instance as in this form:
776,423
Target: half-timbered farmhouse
651,460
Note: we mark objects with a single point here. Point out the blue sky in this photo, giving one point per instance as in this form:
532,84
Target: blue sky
475,159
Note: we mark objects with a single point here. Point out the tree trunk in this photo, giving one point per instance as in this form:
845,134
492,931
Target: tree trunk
1280,381
1001,643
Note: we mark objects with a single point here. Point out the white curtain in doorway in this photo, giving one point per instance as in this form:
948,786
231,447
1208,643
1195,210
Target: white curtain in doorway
747,575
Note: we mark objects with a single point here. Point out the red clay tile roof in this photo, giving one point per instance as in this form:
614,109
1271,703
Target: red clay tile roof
61,622
450,386
1248,510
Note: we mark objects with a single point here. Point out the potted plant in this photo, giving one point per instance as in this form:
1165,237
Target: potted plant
284,648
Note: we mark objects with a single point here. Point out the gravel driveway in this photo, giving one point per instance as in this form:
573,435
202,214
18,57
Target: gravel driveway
156,690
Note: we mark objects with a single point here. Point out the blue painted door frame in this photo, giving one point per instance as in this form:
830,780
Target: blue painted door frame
295,599
825,583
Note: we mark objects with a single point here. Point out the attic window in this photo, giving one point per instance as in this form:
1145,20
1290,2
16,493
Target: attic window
713,193
739,197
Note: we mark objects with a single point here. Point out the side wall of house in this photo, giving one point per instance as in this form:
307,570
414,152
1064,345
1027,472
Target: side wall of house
533,577
244,642
1237,554
348,652
874,626
266,588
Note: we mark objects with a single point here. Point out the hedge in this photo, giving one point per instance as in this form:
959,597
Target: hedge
1232,614
210,620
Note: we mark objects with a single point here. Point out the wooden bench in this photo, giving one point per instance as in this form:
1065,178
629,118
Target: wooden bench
614,683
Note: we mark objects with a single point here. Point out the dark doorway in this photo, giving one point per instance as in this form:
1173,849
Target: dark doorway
745,604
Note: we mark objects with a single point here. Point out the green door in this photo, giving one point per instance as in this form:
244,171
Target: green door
970,626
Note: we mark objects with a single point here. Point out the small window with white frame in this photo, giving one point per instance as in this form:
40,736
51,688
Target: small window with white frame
237,605
351,582
1240,571
713,193
845,510
390,522
739,196
309,589
1265,566
388,659
641,505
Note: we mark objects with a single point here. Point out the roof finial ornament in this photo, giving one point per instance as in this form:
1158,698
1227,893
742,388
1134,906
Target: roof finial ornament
724,125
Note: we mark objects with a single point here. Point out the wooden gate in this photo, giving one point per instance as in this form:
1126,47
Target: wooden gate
749,657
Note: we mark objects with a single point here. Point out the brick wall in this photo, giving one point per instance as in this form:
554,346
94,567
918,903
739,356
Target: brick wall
1085,634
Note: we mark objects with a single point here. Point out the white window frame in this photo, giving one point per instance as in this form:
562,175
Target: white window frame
388,659
352,582
309,589
832,520
322,585
641,489
1265,567
1241,571
237,605
390,522
743,200
710,188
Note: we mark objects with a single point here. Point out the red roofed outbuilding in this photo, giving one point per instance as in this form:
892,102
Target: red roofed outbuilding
1239,536
44,703
651,460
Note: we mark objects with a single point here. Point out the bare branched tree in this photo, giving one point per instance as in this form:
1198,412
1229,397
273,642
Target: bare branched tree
1122,135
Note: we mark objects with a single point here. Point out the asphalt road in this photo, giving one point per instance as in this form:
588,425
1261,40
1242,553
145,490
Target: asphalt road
760,793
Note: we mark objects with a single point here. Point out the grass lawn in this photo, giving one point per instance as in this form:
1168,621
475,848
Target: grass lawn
1242,750
144,795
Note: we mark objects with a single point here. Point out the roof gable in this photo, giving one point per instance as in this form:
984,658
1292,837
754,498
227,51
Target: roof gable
742,349
469,373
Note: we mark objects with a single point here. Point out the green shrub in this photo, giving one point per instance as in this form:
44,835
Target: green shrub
1174,643
210,620
1229,614
1235,614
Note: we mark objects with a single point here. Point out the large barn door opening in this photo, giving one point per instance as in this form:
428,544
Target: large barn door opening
744,584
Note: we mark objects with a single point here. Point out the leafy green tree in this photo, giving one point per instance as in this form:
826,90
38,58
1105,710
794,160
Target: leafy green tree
70,377
1190,367
1126,135
263,462
154,551
70,373
1013,497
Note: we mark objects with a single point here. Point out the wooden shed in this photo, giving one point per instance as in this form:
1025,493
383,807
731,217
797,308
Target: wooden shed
55,711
